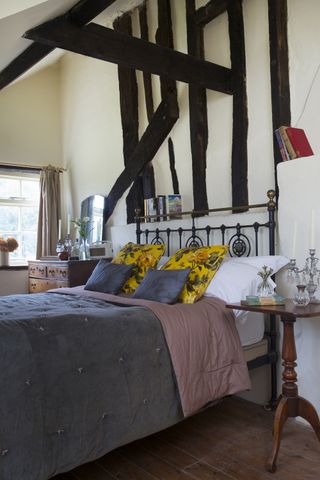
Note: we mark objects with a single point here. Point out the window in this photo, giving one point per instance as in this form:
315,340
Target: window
19,209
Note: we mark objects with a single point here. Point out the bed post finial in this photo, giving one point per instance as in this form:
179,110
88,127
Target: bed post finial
271,204
137,212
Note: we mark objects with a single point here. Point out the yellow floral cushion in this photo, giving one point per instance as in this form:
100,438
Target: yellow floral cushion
143,256
204,263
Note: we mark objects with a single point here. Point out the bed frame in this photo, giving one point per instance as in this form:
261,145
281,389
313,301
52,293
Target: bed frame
241,244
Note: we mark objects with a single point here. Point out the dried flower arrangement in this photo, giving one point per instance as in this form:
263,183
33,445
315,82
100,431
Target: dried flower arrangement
8,244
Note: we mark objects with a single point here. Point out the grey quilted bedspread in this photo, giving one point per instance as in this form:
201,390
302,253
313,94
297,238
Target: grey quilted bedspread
71,387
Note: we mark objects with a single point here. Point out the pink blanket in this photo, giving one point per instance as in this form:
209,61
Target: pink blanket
203,343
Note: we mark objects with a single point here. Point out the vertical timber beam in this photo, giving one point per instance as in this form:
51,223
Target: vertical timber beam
130,120
148,180
198,114
239,172
279,71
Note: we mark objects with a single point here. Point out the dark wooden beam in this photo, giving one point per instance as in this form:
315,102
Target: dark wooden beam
172,161
279,71
210,11
161,123
148,180
147,81
240,113
29,57
111,46
81,13
164,37
128,89
198,115
86,10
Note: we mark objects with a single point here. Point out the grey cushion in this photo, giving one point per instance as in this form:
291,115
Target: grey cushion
108,277
162,285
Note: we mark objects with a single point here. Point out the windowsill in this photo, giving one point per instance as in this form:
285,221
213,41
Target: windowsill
16,266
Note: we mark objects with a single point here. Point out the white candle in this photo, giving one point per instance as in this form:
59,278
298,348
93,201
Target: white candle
312,230
68,224
59,229
294,239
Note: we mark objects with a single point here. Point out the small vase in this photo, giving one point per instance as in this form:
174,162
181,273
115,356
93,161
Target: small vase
301,298
4,259
266,286
84,253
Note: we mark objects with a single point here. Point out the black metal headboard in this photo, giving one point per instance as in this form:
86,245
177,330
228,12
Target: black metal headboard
240,244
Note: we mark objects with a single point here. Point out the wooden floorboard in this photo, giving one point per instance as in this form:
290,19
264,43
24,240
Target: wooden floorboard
229,441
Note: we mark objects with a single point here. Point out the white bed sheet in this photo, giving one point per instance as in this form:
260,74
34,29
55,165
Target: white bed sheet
250,328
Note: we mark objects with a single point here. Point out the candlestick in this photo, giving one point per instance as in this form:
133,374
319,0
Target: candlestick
59,229
68,224
294,239
312,230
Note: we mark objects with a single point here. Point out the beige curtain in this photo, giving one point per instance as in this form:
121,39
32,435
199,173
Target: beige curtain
49,211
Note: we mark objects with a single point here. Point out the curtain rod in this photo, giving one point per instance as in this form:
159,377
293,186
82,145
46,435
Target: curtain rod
32,167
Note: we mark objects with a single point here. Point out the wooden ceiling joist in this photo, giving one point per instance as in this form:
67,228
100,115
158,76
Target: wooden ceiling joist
85,10
210,11
111,46
29,57
80,14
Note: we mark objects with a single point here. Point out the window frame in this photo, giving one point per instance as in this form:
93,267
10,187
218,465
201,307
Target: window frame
14,201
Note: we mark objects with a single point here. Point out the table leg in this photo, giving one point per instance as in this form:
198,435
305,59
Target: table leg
290,404
280,419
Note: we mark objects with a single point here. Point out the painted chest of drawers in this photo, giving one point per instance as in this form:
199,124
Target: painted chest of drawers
44,275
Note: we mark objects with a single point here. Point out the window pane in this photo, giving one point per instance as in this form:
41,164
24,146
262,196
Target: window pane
29,241
30,189
9,219
29,218
9,187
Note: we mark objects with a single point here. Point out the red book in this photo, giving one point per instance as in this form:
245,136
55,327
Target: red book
299,142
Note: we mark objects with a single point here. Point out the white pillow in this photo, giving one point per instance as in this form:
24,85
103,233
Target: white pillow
162,261
274,261
238,277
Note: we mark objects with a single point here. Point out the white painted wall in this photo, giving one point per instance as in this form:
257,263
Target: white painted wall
13,281
30,120
296,206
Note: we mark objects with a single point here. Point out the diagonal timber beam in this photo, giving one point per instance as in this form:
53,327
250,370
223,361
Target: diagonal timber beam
80,14
116,47
159,127
85,10
29,57
210,11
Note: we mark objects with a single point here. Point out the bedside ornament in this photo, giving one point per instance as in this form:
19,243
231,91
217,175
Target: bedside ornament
301,298
266,286
309,276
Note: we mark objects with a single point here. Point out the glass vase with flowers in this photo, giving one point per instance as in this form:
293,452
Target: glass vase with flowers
83,227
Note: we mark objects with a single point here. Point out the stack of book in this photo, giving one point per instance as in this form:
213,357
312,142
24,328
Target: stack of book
293,143
260,301
157,209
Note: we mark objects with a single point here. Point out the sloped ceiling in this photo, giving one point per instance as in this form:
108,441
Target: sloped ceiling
18,16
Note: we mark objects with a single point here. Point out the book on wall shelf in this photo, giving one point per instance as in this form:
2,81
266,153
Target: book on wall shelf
174,205
293,143
283,150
